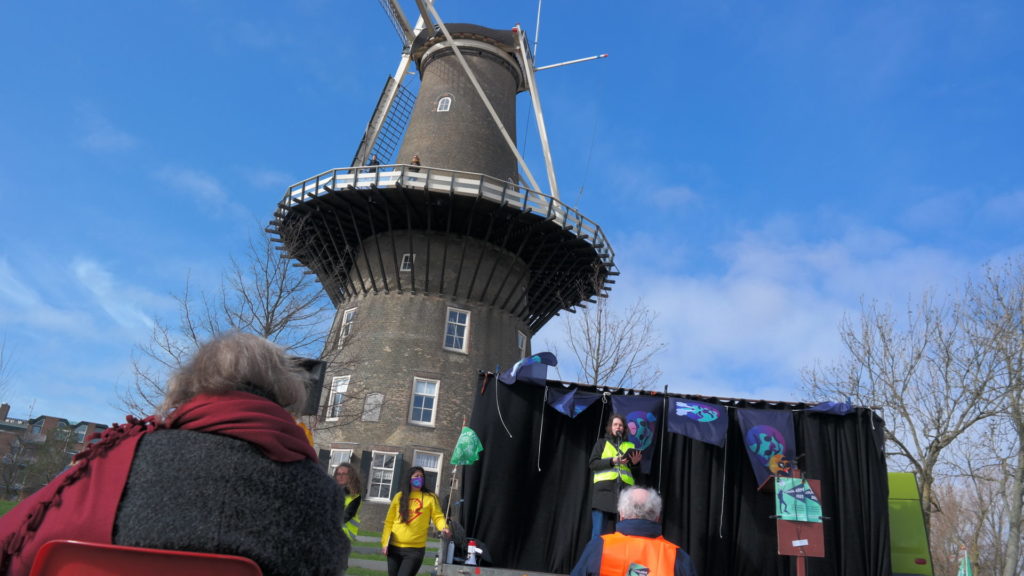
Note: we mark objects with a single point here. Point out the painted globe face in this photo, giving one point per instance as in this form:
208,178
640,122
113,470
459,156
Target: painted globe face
696,412
764,442
641,431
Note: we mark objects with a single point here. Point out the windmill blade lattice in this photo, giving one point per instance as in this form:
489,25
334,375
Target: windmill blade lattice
392,115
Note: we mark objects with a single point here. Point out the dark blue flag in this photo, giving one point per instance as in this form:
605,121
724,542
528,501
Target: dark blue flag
770,441
533,369
698,420
837,408
643,418
571,402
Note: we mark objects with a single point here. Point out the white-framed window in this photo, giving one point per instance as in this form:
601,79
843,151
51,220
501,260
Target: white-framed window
80,433
407,260
456,331
339,457
348,318
382,474
339,386
431,464
371,407
444,104
37,428
521,343
424,401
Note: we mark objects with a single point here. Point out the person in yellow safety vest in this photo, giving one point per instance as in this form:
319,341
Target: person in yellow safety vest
347,477
636,548
613,460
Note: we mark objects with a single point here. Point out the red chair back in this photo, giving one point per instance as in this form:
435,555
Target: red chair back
72,558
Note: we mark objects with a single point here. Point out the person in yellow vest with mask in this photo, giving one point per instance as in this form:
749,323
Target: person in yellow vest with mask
347,477
613,461
636,548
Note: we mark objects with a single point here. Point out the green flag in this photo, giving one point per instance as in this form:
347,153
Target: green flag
467,449
965,566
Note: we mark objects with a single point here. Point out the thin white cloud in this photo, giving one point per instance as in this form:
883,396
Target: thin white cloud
268,179
939,211
773,304
673,196
206,190
120,302
1006,206
100,134
21,304
201,187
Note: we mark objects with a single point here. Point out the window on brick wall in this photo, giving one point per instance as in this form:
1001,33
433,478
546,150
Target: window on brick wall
339,457
456,331
521,343
371,407
407,260
444,104
431,464
424,401
382,475
348,319
339,386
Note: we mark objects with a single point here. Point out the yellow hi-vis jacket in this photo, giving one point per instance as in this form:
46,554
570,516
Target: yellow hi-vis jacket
351,528
622,470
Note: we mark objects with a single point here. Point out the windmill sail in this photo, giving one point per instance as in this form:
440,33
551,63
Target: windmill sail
387,124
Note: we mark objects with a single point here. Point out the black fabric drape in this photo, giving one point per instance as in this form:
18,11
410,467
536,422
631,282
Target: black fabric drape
538,519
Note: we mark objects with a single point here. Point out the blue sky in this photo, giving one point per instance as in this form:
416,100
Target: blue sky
758,167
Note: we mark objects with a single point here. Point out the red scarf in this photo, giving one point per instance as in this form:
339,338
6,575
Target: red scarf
72,511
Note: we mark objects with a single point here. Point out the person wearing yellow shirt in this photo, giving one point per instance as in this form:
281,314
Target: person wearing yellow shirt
404,537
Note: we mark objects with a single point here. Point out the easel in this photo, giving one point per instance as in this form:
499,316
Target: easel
800,539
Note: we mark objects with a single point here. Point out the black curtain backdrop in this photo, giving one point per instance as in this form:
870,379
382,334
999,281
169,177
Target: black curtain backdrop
528,497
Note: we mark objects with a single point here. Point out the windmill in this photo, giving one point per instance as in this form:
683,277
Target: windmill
440,269
391,115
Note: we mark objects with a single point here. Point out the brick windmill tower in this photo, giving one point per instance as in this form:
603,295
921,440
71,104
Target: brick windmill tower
441,259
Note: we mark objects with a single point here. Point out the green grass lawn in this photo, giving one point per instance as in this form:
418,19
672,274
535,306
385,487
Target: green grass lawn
6,505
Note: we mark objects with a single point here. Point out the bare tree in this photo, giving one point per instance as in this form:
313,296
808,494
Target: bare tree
972,516
50,455
261,293
612,349
997,306
931,381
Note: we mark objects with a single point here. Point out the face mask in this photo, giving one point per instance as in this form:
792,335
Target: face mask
417,482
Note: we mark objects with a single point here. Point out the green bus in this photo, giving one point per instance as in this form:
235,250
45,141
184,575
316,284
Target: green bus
908,538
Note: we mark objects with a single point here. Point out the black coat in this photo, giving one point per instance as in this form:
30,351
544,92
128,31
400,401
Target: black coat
604,495
202,492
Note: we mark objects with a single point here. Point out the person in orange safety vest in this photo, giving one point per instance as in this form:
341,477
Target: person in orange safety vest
637,547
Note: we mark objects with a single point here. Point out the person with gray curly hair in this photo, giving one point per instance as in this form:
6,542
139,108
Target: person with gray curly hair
637,547
238,362
222,468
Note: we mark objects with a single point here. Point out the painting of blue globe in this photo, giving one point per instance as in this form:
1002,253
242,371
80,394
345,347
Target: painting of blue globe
764,442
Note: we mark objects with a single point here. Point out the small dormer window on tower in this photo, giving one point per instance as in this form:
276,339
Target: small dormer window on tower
444,104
